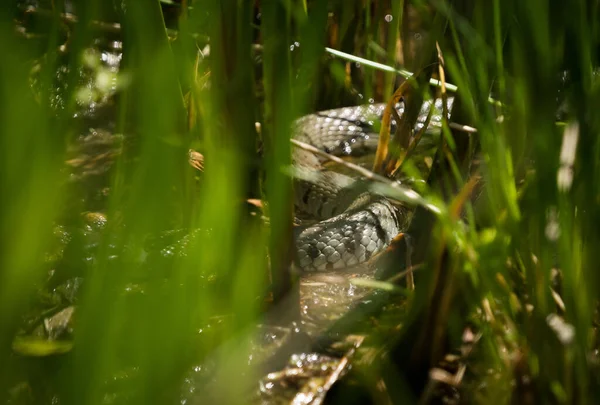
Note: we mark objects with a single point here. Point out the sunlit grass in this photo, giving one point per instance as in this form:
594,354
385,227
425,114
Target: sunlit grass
515,263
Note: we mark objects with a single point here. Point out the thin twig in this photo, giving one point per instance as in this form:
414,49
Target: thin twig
381,185
336,374
384,133
458,127
397,277
414,142
359,169
401,72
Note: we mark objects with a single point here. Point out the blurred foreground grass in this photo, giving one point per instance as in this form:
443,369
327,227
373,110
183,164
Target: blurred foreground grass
518,270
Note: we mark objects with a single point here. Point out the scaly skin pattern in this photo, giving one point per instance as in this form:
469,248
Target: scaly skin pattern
355,225
348,239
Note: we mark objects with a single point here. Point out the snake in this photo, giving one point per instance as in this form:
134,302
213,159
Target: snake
349,224
353,225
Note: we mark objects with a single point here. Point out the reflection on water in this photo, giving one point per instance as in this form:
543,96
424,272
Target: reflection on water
326,297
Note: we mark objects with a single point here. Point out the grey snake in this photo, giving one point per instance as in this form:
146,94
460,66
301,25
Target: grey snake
354,225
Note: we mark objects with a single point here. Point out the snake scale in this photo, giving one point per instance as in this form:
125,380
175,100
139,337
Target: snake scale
354,225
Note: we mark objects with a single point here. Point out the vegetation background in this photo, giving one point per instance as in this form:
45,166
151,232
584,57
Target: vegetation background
519,268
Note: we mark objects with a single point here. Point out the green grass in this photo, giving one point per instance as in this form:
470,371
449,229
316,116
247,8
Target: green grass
141,324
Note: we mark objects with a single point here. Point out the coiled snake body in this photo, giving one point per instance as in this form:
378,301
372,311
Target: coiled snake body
355,225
